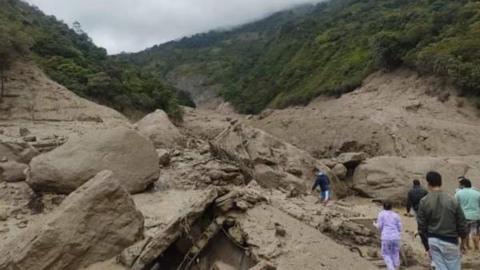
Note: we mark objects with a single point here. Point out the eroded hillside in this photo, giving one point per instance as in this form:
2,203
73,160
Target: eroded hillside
397,114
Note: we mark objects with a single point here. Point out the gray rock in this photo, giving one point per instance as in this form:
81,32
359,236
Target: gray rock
94,223
163,157
351,159
12,171
23,132
391,177
158,128
3,214
340,171
129,155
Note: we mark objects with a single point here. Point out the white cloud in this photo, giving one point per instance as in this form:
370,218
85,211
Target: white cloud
133,25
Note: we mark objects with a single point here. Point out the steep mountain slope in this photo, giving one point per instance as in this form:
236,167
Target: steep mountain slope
204,63
70,57
327,49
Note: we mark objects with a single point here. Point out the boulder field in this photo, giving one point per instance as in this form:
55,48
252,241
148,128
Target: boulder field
215,192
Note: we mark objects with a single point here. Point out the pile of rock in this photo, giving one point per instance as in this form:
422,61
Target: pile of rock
240,198
270,161
197,168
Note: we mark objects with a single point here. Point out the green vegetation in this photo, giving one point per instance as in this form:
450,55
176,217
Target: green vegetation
70,57
288,58
328,49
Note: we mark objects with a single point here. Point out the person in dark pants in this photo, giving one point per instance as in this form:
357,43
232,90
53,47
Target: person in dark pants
441,223
323,182
414,196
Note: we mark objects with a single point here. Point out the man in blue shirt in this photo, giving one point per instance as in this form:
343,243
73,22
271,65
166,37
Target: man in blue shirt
469,200
323,182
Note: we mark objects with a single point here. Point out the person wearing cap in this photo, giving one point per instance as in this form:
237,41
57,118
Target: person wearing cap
323,182
469,200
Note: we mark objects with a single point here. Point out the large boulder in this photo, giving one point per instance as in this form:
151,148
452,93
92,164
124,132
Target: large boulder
351,159
158,127
129,155
12,171
340,171
92,224
391,177
270,161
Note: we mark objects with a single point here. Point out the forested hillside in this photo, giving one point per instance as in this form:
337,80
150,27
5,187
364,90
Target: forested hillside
70,57
328,49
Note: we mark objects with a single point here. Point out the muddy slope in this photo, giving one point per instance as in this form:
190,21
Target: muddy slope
35,101
398,113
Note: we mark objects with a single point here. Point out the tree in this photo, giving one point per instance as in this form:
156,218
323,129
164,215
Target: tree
388,50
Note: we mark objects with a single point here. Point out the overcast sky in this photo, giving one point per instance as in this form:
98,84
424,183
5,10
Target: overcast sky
133,25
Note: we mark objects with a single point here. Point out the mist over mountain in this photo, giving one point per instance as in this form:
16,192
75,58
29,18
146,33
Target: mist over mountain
328,49
125,26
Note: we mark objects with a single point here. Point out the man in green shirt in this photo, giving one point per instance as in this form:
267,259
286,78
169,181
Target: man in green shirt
441,223
469,200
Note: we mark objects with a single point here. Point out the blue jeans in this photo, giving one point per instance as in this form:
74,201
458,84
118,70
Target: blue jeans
445,255
325,195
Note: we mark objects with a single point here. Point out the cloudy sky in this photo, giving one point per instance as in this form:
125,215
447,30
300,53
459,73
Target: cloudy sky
133,25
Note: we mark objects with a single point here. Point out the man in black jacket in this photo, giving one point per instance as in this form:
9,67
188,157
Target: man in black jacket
414,196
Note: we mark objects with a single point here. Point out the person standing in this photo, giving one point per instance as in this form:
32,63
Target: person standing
414,196
390,226
469,200
441,222
323,182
